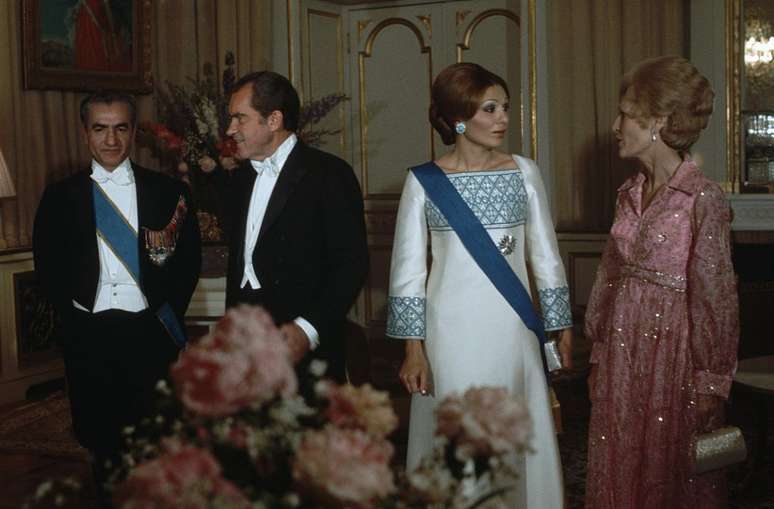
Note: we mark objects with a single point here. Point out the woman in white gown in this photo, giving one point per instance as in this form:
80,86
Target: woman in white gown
459,330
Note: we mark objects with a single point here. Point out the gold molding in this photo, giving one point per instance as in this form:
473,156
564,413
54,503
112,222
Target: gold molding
532,34
465,44
460,16
532,51
362,55
361,26
290,40
368,49
426,20
339,63
733,93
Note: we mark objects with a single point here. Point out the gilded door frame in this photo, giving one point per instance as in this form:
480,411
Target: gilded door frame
733,93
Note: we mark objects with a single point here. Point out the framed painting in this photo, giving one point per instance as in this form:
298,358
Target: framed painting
87,45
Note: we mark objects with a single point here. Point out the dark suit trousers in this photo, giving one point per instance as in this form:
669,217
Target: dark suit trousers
113,361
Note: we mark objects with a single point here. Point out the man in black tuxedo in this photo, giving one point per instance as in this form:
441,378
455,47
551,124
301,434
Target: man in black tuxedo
297,231
117,252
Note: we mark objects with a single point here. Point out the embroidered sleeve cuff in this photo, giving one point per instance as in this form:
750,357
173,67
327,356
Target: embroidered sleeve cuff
597,350
555,303
406,317
712,383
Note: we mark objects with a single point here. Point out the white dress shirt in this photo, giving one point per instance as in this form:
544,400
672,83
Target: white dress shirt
117,289
268,172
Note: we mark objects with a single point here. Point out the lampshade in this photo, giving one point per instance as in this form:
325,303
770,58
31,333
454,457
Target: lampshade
6,183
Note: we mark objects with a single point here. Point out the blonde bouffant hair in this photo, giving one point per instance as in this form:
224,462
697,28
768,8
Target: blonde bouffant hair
670,87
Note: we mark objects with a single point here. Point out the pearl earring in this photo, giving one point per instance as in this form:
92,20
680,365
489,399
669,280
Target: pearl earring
653,135
459,127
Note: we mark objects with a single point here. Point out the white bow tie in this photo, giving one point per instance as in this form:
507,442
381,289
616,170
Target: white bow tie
267,165
118,177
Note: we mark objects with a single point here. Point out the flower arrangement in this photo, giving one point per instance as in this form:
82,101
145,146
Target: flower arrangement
190,137
244,437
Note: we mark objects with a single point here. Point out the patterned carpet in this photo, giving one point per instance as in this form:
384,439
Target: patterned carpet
40,428
749,488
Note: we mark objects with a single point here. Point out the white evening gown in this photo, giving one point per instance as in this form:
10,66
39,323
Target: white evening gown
472,335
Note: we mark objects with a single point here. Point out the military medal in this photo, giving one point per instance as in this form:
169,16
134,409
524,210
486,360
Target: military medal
161,243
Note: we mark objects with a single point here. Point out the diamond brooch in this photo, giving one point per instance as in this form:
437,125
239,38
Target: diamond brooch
507,244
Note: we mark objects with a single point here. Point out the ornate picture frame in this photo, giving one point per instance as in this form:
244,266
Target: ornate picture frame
87,45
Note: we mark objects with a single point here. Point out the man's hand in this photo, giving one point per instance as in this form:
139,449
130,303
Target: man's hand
296,339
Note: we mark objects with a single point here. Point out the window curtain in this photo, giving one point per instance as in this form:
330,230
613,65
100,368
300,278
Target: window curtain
41,134
592,43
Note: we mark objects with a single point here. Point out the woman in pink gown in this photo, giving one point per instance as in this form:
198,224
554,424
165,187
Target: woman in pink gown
663,313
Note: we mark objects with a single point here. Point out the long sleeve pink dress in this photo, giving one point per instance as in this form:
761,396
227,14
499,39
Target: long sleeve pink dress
663,318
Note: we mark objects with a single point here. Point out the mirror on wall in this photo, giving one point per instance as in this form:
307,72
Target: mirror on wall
754,49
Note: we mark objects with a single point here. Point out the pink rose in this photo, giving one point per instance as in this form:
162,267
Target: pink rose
484,422
183,477
243,361
207,164
360,408
344,468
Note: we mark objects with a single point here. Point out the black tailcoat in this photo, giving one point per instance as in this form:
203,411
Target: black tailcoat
311,257
112,357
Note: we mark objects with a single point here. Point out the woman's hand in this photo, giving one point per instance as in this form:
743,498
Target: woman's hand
566,338
708,411
414,372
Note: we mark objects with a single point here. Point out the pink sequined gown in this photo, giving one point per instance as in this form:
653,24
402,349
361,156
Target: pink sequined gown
663,317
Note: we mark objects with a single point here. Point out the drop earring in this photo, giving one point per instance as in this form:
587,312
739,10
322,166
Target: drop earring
459,127
653,135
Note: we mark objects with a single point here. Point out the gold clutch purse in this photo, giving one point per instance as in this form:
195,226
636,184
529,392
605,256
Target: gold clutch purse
719,448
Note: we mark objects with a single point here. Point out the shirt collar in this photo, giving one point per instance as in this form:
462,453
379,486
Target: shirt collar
122,175
682,179
274,163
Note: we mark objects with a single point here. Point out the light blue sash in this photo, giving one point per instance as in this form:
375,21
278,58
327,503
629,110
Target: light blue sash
480,246
122,239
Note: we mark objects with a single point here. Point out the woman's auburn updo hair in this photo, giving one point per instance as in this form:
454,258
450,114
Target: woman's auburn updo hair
456,94
670,87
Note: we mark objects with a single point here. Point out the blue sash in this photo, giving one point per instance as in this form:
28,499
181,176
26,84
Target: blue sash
480,246
122,239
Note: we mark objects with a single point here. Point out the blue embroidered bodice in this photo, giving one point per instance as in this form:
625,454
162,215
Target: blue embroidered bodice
497,198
